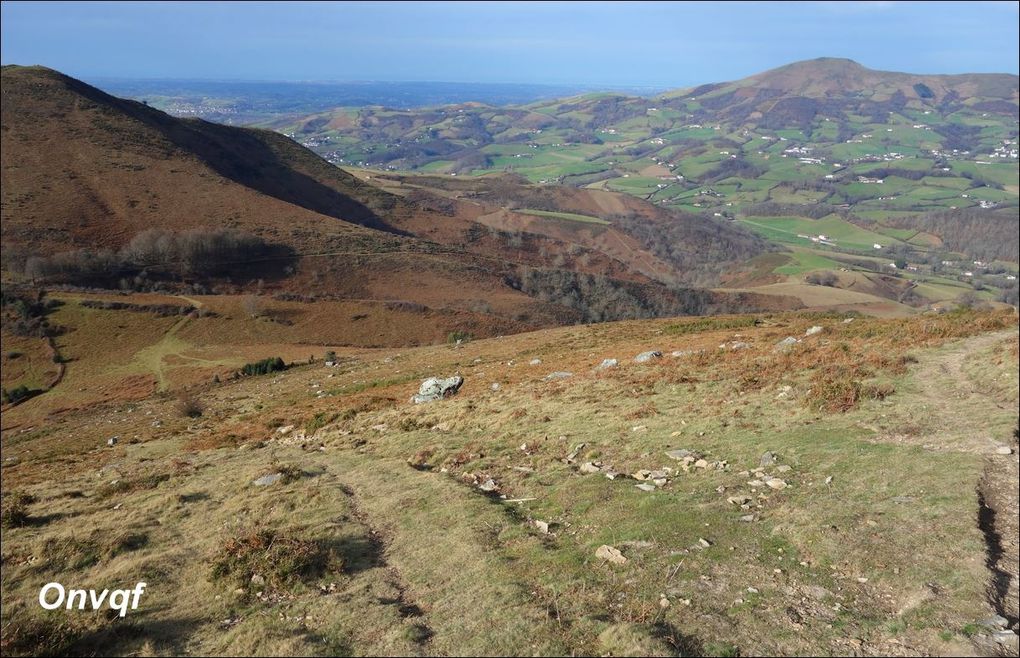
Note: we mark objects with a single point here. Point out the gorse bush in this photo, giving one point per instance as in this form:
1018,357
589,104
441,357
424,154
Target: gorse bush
458,336
280,559
822,279
14,510
189,406
841,388
17,395
264,367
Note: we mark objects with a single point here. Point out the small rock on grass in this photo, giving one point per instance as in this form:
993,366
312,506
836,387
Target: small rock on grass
267,480
645,357
610,554
995,621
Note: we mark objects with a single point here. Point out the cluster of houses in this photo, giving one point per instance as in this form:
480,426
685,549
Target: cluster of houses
819,239
1006,150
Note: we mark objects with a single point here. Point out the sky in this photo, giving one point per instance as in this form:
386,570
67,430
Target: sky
654,44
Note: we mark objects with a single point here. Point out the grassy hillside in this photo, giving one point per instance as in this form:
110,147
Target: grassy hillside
879,148
464,525
106,192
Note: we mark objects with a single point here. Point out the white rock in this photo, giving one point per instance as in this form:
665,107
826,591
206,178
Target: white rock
610,554
645,357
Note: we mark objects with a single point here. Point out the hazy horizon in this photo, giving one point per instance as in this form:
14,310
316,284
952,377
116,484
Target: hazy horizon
635,45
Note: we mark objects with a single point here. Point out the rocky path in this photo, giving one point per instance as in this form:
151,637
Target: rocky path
436,536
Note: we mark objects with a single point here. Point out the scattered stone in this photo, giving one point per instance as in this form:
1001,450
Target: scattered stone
112,441
1004,450
611,474
436,388
489,486
786,344
813,330
542,526
817,592
768,459
735,345
495,386
776,483
606,364
682,454
535,362
995,621
784,392
704,543
701,463
267,480
738,500
747,518
639,428
559,374
286,429
645,357
258,580
644,486
575,452
783,468
590,467
677,354
610,554
1007,638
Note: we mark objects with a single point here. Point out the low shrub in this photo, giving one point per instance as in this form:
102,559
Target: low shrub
264,367
278,557
14,510
838,389
190,407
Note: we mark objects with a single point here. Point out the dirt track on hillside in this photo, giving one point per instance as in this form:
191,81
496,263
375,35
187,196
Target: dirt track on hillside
968,418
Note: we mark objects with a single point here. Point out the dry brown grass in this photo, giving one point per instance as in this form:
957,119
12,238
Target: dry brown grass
279,558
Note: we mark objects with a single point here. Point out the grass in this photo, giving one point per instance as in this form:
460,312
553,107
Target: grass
840,231
364,553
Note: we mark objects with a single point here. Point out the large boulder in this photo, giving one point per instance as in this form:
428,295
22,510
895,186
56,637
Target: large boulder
437,388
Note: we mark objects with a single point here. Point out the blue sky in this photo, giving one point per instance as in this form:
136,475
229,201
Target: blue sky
615,43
